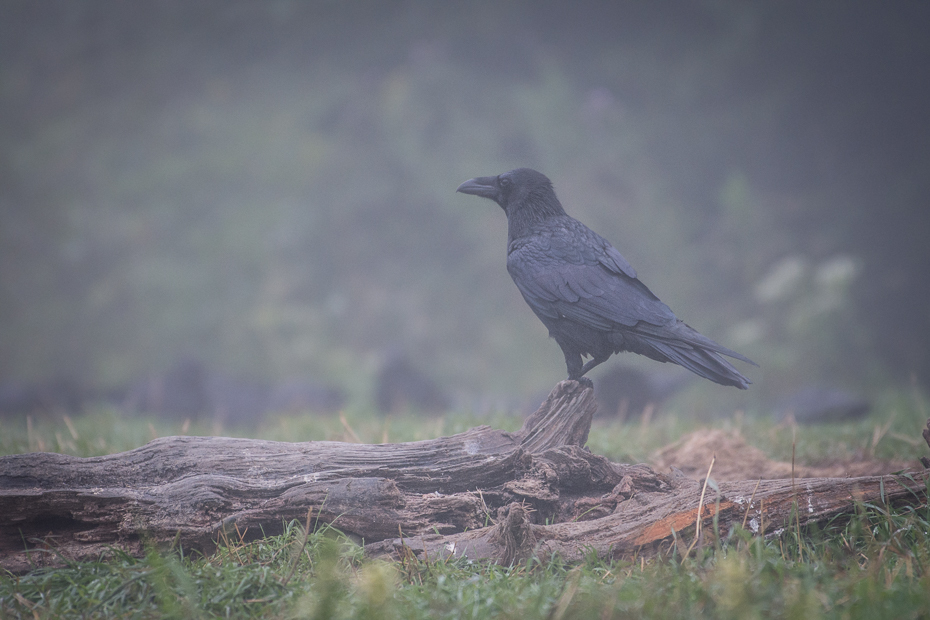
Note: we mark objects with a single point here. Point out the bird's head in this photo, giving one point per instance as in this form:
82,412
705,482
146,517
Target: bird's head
522,186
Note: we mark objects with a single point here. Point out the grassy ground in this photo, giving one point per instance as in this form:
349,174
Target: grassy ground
874,565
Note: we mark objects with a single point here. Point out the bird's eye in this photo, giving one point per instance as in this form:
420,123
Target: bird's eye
505,182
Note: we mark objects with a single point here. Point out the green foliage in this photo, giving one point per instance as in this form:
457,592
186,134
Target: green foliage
287,207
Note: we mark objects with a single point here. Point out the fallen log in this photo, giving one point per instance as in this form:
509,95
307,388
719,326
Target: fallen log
484,493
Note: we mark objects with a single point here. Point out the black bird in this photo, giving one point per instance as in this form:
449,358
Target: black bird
585,292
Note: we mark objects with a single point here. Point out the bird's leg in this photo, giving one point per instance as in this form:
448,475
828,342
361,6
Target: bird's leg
573,362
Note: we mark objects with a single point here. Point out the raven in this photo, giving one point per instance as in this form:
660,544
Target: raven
585,292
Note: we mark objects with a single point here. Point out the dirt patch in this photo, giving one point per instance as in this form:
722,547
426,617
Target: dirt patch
737,460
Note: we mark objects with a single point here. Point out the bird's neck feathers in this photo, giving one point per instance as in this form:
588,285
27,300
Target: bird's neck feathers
524,216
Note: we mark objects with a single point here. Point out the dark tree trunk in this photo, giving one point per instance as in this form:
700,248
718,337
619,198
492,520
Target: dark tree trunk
484,493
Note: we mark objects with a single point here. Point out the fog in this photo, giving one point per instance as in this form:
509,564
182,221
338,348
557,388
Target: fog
269,187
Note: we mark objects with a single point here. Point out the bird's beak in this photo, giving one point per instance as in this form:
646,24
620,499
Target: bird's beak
486,187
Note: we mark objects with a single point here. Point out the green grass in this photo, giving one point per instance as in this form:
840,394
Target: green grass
873,565
891,431
106,431
877,565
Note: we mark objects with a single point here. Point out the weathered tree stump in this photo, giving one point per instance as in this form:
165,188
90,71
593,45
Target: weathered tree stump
485,493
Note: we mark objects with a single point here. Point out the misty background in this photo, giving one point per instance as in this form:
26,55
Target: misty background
269,187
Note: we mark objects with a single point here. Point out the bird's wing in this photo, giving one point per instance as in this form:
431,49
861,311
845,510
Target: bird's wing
613,260
576,274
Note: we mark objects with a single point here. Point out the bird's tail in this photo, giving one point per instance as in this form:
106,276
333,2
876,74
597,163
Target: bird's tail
688,348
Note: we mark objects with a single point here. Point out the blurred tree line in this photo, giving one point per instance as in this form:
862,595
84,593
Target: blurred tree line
269,186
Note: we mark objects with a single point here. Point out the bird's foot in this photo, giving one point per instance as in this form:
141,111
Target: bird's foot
586,382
